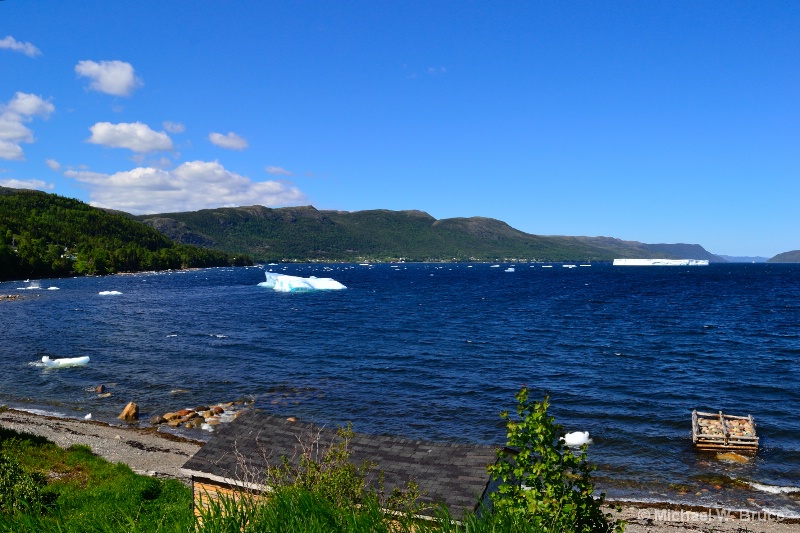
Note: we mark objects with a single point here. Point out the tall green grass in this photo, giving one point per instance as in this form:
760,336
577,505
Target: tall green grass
81,492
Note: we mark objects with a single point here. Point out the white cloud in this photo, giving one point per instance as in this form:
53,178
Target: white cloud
110,77
53,164
191,186
20,109
134,136
9,43
278,171
29,105
29,184
11,151
231,141
174,127
13,130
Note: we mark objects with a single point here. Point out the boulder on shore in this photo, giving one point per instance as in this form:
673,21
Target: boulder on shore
130,413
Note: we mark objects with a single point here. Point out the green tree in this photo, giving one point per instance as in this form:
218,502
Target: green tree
542,482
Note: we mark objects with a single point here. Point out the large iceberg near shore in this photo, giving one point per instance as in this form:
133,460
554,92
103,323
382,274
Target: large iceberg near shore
284,283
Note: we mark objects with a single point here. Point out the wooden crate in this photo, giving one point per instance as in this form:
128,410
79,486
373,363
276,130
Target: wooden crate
721,432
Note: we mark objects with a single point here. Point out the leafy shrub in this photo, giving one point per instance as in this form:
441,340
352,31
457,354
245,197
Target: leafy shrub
328,473
543,484
19,489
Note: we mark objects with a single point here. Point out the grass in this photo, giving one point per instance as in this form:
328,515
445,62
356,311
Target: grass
44,488
85,493
82,492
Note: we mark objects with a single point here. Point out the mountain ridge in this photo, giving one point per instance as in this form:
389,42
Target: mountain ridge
306,233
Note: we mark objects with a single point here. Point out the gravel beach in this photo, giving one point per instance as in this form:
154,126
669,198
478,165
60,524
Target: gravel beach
157,454
144,450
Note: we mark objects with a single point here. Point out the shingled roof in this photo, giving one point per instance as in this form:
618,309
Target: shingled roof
449,473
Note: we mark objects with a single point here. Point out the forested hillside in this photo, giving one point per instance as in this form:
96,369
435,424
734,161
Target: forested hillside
307,234
45,235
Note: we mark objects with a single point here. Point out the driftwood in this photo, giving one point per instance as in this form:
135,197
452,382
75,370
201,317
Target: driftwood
721,432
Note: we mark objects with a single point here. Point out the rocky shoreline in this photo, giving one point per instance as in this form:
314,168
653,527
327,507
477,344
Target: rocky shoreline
145,450
151,452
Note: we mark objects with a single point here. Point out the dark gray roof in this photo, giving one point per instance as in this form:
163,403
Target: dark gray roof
454,474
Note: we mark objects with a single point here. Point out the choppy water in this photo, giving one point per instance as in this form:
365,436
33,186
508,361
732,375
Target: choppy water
437,351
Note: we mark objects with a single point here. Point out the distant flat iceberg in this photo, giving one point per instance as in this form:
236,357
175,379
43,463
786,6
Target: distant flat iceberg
284,283
660,262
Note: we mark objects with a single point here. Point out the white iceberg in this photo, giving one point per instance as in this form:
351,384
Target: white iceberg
284,283
109,293
65,362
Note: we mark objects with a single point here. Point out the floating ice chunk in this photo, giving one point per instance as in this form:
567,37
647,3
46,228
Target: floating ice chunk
109,293
65,362
284,283
53,288
509,269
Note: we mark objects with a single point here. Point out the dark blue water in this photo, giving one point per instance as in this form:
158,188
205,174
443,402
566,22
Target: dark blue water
437,351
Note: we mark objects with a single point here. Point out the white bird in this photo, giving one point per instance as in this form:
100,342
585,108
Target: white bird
576,438
88,417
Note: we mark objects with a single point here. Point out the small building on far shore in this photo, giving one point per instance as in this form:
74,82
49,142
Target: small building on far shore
237,456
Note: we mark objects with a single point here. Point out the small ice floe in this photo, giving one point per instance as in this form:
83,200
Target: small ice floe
109,293
576,438
65,362
88,417
495,266
509,269
53,289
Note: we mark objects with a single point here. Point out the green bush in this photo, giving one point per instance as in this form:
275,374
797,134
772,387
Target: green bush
542,482
19,490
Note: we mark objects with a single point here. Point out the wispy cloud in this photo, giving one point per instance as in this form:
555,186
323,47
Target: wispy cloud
9,43
27,184
22,108
53,164
133,136
231,141
278,171
110,77
174,127
191,186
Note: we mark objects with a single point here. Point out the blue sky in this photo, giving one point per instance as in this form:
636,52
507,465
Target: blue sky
642,120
